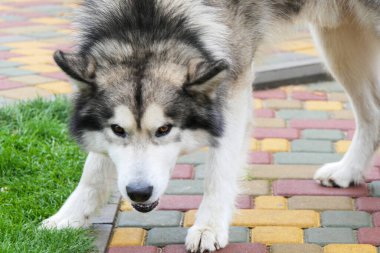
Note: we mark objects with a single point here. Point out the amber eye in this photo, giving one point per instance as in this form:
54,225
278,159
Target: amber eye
164,130
118,130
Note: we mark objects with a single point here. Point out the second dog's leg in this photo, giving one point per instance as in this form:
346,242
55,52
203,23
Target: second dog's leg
210,231
352,53
91,192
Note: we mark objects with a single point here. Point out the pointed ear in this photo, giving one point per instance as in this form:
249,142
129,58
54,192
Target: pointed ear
204,77
79,67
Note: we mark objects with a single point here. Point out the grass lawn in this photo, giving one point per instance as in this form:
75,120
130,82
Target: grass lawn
39,168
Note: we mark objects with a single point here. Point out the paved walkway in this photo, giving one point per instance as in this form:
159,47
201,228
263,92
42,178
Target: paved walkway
297,129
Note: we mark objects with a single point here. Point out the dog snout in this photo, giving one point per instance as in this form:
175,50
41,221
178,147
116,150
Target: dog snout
139,193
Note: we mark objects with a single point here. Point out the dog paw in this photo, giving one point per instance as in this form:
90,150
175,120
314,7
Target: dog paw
205,239
55,222
338,175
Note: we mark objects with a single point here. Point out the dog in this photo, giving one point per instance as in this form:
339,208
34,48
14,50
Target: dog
161,78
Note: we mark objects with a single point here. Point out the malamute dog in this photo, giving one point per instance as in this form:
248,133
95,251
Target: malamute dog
160,78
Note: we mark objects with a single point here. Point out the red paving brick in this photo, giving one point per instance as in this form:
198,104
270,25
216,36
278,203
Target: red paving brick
183,171
311,188
6,84
286,133
368,204
190,202
307,95
134,249
373,174
231,248
369,236
376,219
272,94
323,124
264,113
259,158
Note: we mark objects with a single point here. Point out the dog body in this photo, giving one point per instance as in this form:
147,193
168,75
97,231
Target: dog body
160,78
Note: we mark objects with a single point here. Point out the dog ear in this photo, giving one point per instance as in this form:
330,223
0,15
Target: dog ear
79,67
204,77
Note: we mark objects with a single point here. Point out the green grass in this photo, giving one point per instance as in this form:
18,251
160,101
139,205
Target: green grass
39,168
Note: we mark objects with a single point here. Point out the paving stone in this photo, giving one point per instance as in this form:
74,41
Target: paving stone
230,248
260,113
323,124
286,133
311,188
368,204
127,237
296,248
282,171
275,235
59,87
134,249
322,134
188,202
320,203
150,220
301,114
25,93
259,158
344,114
271,202
326,86
282,104
350,219
255,187
375,188
185,187
32,79
106,215
376,219
342,146
312,146
324,236
369,236
306,158
349,248
102,233
323,105
200,171
183,171
255,217
271,94
125,206
7,84
13,71
194,158
372,175
166,236
307,95
269,123
337,96
275,145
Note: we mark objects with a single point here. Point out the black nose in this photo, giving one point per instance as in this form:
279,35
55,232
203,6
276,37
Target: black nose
139,193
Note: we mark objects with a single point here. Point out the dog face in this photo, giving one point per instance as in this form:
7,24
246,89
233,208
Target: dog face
143,113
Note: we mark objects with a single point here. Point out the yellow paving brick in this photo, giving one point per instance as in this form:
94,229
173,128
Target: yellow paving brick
295,45
342,146
275,235
310,51
282,104
271,202
128,237
257,103
323,105
57,87
254,145
337,96
33,52
50,21
344,114
275,145
41,59
269,123
25,93
125,206
254,218
41,68
350,248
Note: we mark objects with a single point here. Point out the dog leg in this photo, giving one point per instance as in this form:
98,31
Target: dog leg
352,54
210,231
91,192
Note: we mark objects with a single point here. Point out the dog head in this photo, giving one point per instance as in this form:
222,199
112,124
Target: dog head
143,109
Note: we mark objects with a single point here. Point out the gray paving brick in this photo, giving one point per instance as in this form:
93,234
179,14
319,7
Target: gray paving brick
375,188
165,236
351,219
105,215
316,134
301,114
194,158
296,248
200,171
320,203
326,86
185,187
324,236
149,220
102,236
305,158
312,146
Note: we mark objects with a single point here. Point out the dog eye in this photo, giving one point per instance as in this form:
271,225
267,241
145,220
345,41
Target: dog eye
164,130
118,130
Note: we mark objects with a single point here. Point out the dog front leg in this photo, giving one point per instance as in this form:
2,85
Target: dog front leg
91,192
210,231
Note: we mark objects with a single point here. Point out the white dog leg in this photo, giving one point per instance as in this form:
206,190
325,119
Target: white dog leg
210,231
91,192
352,54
